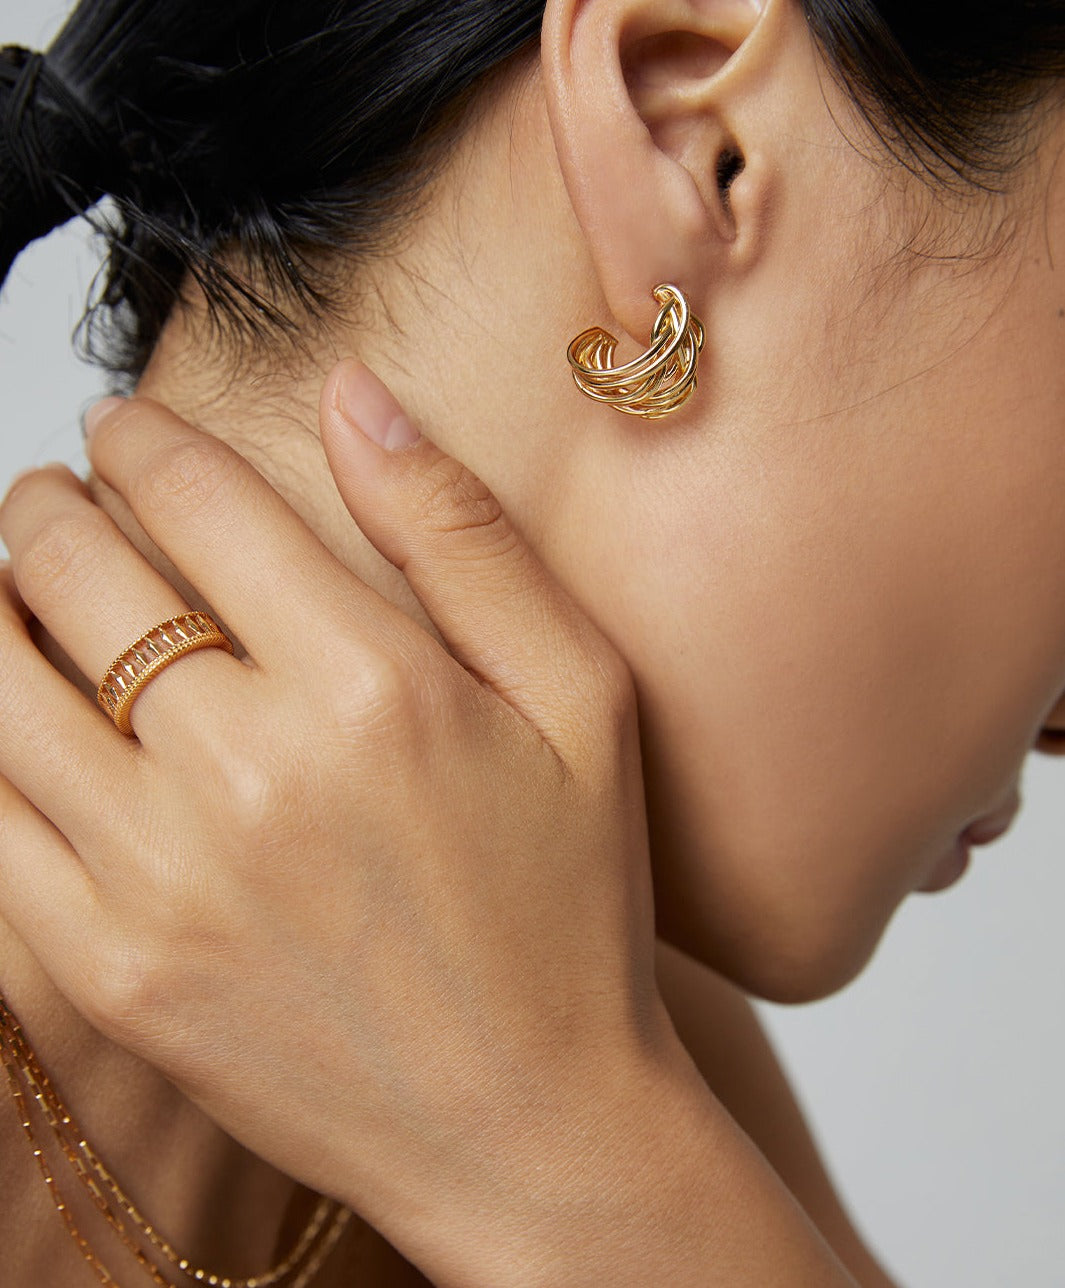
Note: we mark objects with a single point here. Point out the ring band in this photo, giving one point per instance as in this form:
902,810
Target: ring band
138,665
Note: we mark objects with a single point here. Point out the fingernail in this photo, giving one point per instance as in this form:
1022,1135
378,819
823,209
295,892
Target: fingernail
368,404
97,412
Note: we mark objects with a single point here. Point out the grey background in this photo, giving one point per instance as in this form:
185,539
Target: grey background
935,1081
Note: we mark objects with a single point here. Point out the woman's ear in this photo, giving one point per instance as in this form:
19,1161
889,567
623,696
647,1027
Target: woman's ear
653,107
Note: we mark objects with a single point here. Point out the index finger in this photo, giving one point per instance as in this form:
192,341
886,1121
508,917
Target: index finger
233,536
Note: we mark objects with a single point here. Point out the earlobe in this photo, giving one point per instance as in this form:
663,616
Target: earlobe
658,382
639,94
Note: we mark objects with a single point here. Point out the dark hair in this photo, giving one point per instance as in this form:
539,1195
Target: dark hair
288,136
942,83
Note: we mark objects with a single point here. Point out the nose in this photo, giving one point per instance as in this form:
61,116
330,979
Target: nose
1051,738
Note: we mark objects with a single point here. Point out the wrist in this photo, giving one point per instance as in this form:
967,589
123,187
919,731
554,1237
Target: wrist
608,1186
633,1173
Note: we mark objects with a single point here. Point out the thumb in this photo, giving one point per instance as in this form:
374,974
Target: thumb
501,614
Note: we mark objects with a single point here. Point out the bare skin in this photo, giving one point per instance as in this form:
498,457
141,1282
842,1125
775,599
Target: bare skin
138,1119
809,426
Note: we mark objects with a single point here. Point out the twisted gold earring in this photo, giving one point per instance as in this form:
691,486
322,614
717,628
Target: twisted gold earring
659,380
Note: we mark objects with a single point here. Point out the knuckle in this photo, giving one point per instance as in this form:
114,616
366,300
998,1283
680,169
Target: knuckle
456,502
185,477
608,680
384,689
379,713
59,556
122,987
619,690
252,792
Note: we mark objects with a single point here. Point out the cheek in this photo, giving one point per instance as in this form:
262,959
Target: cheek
842,658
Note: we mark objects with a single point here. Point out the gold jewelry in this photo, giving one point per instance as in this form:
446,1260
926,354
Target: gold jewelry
661,379
133,669
298,1268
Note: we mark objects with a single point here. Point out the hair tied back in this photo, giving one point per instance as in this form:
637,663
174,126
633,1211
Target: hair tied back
56,159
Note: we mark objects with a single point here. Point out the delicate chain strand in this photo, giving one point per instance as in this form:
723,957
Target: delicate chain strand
54,1112
18,1058
325,1247
61,1207
59,1118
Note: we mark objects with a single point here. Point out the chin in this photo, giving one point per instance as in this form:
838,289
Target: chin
793,967
809,982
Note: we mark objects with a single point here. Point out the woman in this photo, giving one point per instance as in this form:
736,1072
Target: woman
305,891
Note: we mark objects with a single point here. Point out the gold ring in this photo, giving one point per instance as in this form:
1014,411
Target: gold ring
138,665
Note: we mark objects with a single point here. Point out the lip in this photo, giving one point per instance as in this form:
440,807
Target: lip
981,831
991,826
951,868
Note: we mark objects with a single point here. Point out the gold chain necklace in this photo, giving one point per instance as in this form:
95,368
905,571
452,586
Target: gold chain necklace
28,1082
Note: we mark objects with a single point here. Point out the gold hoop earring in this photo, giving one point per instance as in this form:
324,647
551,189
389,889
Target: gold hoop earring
659,380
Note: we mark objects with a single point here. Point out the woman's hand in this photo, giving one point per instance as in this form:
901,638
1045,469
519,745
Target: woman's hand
381,908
